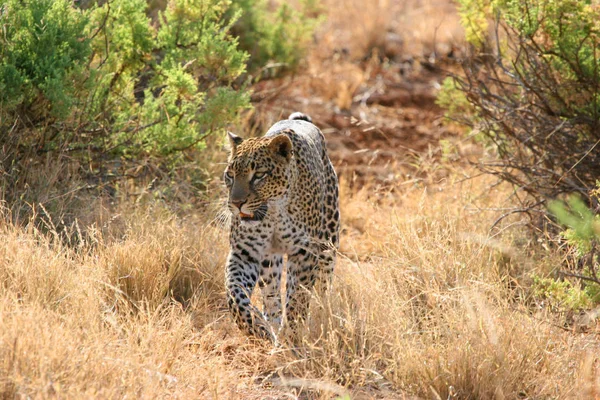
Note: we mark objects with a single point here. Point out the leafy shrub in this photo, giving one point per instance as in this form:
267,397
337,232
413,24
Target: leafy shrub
168,88
111,79
277,35
43,55
533,85
581,235
106,78
583,225
453,100
561,295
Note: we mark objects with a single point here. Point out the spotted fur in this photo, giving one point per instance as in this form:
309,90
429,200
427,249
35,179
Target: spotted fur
283,196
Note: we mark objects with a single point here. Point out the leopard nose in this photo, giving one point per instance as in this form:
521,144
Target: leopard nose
238,204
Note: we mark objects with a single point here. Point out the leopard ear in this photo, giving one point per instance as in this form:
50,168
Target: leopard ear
281,145
234,140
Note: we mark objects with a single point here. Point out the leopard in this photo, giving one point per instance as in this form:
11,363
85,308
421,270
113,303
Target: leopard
283,196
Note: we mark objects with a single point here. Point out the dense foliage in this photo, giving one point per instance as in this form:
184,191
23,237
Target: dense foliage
116,78
532,85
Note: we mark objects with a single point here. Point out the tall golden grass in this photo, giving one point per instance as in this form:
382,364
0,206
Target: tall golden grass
424,303
127,300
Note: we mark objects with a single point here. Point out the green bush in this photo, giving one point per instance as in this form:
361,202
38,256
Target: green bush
43,54
581,236
275,36
533,85
112,80
583,226
167,88
561,295
106,78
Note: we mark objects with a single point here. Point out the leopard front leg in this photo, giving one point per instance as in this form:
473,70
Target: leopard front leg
270,284
301,277
241,275
327,259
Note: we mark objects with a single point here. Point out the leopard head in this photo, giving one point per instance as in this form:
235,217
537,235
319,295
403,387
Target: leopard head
258,172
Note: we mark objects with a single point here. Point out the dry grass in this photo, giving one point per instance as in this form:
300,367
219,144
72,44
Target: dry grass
425,303
393,28
421,306
357,36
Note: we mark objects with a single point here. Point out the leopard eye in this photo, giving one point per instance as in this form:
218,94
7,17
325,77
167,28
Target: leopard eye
259,175
228,176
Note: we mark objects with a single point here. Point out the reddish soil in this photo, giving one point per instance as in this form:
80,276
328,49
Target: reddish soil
392,116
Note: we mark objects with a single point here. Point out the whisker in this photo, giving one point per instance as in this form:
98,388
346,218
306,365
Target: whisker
222,217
